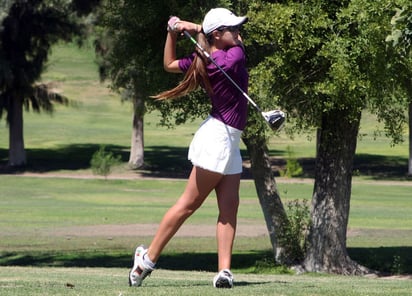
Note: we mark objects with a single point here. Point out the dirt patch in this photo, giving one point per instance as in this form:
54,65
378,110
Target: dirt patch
397,277
134,175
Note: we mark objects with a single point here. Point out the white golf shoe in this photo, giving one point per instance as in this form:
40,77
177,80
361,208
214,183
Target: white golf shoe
224,279
140,270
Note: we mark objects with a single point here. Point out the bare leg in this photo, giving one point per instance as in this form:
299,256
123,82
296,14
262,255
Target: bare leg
227,193
201,182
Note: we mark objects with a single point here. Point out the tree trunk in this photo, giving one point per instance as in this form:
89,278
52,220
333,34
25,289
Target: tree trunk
410,140
136,158
17,153
272,207
326,242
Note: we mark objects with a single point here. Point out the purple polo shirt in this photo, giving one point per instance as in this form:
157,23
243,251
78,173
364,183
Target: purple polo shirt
228,103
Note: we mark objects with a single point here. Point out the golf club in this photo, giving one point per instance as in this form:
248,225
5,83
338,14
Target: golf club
275,118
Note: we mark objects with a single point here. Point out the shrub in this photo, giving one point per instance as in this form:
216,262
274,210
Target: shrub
295,230
293,168
102,162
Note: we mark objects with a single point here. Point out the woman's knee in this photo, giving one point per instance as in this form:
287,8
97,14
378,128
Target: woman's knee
228,206
186,208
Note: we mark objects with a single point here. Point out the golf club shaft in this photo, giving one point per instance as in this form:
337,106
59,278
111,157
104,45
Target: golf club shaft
207,55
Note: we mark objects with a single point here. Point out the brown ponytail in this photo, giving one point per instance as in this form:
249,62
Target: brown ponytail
195,76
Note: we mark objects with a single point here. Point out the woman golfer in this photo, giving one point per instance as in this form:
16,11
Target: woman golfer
214,150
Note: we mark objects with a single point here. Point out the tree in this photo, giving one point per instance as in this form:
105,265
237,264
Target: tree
123,54
136,33
267,192
401,38
324,62
28,30
130,46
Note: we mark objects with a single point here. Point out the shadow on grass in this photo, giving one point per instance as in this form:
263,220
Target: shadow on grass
69,157
391,260
171,162
379,166
160,161
387,260
181,261
374,166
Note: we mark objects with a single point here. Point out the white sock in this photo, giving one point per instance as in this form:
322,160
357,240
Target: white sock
148,262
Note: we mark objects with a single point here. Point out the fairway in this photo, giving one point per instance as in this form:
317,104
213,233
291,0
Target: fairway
96,222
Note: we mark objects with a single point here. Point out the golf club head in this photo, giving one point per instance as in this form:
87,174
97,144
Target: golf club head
275,119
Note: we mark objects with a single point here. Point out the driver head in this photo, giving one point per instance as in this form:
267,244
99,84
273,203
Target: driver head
275,119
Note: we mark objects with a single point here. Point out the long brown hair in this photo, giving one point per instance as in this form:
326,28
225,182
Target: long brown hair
195,76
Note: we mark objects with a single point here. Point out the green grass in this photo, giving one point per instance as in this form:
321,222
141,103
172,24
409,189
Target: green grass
60,202
36,214
42,216
100,281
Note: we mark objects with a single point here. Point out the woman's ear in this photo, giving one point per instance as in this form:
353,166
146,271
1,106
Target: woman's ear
217,34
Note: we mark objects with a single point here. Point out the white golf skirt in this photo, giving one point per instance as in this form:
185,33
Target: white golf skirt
215,147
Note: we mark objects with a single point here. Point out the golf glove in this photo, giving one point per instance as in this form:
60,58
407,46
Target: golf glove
172,24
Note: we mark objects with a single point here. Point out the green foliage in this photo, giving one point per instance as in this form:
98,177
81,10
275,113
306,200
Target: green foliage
28,31
401,35
311,57
102,161
130,46
293,168
295,229
267,265
4,9
282,41
385,75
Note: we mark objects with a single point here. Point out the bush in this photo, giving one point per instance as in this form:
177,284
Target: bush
293,168
102,162
295,229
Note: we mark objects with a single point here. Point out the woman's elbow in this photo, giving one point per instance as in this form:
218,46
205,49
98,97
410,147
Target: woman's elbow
166,67
172,67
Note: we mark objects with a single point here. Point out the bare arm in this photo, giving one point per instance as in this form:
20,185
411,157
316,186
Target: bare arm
170,62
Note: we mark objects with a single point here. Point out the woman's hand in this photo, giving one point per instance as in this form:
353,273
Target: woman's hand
178,26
